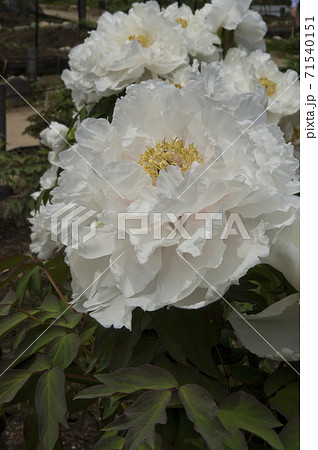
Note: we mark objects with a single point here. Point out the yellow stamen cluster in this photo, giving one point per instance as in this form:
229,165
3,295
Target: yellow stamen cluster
165,154
143,40
269,86
177,85
182,22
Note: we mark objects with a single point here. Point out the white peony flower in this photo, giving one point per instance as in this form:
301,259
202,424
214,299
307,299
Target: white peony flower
255,69
55,138
250,32
285,252
124,49
177,151
179,78
249,27
283,89
41,243
48,179
278,325
194,32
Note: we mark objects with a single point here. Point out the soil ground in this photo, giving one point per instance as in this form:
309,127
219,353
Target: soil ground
81,435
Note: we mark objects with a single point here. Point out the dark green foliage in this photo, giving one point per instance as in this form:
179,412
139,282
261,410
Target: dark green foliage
178,380
21,169
287,48
60,110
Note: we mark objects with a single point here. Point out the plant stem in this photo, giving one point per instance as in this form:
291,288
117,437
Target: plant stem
81,378
54,284
228,41
28,314
227,376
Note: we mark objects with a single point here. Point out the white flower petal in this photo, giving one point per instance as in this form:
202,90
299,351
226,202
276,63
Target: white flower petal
278,325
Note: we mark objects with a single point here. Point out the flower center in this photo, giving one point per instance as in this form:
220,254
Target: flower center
143,40
182,22
269,86
165,154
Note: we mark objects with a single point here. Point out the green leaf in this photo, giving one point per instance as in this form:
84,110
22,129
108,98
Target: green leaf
104,108
131,380
10,322
73,319
166,327
31,432
36,363
71,134
125,341
141,418
290,434
187,374
178,330
278,379
242,410
236,441
69,320
24,282
286,400
187,438
6,304
10,261
201,409
13,274
248,375
110,443
168,431
11,382
51,304
50,404
62,350
26,394
36,280
36,339
144,351
88,332
197,346
82,114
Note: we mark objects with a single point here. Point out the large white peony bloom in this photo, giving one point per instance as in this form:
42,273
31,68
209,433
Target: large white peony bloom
125,49
249,27
255,69
167,155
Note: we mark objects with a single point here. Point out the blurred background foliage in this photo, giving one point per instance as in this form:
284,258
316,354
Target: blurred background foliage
124,5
